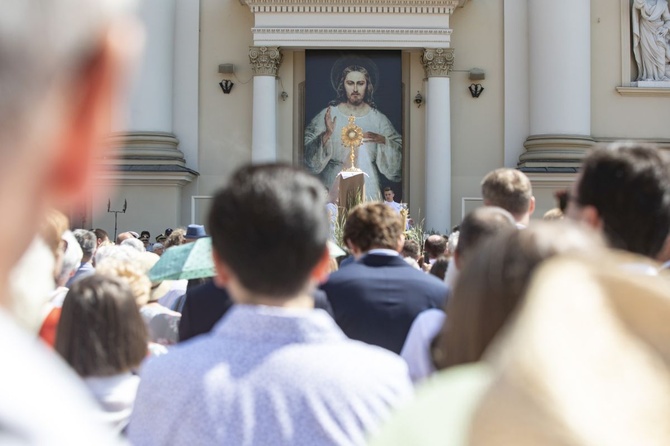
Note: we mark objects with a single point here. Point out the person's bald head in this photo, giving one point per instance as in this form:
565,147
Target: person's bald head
435,245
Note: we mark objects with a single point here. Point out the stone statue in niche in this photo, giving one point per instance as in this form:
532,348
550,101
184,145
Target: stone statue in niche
651,39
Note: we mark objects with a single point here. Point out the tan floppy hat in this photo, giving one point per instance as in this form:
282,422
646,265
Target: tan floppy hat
586,362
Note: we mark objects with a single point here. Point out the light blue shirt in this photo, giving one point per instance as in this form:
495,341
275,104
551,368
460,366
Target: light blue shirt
268,376
85,269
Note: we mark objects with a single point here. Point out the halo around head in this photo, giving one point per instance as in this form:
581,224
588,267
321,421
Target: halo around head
351,59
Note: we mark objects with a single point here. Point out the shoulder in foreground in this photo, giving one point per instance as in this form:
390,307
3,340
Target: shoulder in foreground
442,410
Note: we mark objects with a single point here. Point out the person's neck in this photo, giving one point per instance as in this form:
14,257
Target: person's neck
382,251
245,297
355,110
523,219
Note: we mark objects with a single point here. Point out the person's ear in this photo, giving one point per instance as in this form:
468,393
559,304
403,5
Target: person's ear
664,255
90,110
353,249
531,206
401,243
590,216
321,270
222,271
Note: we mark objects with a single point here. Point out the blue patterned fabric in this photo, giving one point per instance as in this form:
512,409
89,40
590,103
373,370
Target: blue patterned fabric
268,376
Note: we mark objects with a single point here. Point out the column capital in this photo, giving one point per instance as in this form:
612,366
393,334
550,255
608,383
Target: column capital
437,62
265,60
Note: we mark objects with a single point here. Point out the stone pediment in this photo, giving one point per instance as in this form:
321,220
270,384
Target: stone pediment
352,23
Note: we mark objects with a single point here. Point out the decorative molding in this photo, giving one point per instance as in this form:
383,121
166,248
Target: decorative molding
142,178
265,60
662,143
437,62
382,31
411,24
144,148
144,158
562,154
643,91
555,150
355,6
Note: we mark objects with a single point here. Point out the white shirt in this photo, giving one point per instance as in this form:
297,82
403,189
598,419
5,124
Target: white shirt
393,205
42,402
177,289
416,351
116,395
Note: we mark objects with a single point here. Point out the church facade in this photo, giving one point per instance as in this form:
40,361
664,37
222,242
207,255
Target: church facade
481,84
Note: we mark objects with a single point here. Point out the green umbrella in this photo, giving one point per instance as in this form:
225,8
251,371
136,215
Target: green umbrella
189,261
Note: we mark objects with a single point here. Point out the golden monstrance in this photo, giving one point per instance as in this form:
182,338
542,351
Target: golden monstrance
352,137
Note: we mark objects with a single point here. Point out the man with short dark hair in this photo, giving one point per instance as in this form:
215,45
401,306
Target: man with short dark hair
376,298
410,249
623,190
511,190
274,370
389,200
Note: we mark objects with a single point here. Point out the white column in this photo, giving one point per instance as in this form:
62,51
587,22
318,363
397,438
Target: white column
560,66
264,123
265,62
517,95
559,50
186,70
437,64
151,99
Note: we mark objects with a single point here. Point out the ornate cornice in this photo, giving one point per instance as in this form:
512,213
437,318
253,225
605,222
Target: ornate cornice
355,6
437,62
383,31
265,60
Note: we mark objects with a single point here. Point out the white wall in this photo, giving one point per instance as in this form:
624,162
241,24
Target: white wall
225,119
477,125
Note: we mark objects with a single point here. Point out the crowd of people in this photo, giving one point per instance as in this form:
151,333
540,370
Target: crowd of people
508,330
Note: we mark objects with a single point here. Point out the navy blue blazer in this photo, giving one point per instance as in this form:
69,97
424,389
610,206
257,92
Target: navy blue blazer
376,299
203,307
207,303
